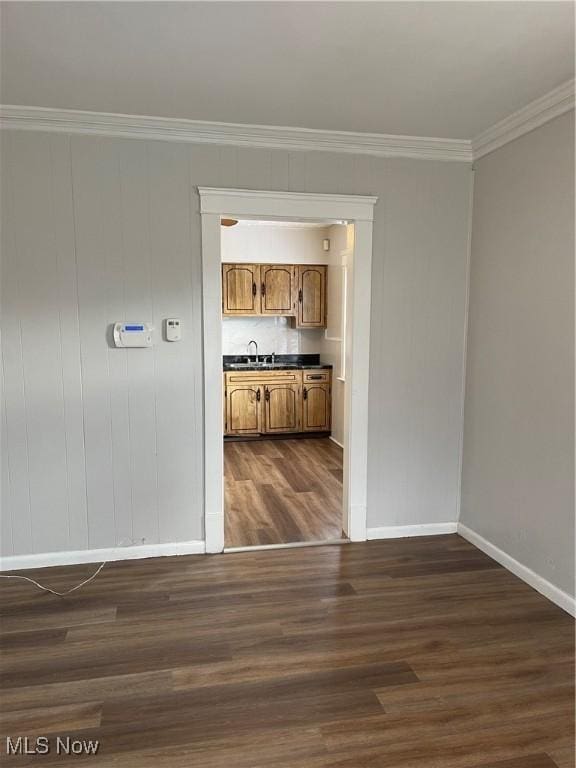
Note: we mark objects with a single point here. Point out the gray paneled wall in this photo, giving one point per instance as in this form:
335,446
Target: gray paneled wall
419,279
103,447
518,468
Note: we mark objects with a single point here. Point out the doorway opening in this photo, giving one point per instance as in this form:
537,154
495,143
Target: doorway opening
264,206
284,378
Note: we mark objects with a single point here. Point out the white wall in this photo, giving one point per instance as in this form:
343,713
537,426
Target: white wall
255,242
102,446
518,463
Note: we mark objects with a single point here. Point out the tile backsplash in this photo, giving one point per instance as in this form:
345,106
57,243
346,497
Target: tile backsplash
273,334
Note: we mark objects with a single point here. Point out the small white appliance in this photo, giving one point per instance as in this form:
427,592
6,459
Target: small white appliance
173,330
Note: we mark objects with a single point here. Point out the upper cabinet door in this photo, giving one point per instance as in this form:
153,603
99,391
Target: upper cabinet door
311,296
278,282
240,289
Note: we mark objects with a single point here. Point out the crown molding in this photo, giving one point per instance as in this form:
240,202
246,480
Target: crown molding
201,132
533,115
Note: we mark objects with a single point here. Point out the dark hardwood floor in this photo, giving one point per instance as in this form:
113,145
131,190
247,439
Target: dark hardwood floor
414,653
282,491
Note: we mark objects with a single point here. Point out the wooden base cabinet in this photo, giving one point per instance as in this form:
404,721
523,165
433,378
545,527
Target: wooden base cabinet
260,403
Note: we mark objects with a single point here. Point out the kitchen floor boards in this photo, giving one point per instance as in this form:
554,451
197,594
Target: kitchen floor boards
406,653
282,491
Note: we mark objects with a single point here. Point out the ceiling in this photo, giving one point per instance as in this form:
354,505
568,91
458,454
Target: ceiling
442,69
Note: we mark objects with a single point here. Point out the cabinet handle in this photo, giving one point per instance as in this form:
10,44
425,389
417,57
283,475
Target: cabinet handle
253,289
315,377
305,393
267,393
263,289
300,295
258,395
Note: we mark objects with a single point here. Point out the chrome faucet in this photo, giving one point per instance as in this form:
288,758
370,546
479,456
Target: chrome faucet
256,345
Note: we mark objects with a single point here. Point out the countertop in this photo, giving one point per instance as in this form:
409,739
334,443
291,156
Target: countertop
276,367
281,362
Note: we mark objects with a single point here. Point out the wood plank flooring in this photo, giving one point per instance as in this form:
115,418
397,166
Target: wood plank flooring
414,653
282,491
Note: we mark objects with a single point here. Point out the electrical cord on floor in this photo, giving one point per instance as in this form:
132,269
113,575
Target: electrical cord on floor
54,591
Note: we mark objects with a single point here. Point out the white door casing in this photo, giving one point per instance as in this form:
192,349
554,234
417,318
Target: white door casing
291,206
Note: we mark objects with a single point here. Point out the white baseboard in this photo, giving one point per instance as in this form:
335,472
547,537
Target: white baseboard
47,559
406,531
336,441
539,583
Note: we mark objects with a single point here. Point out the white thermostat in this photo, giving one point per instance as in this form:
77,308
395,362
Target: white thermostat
133,334
173,331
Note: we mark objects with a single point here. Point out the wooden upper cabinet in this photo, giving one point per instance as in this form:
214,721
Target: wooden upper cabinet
297,290
311,311
316,407
240,289
282,408
277,289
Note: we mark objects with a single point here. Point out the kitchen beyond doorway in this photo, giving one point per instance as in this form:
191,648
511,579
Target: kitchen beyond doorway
283,287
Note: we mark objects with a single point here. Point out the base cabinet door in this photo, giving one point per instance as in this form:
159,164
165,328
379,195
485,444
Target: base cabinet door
281,408
316,407
244,409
